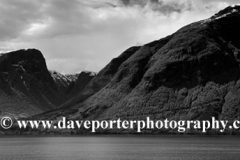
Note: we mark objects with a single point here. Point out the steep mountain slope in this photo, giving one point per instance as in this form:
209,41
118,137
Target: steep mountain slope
62,81
99,80
82,81
26,82
71,84
191,74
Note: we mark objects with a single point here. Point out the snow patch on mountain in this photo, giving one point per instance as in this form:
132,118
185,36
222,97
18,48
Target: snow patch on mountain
72,77
222,14
93,74
59,77
227,14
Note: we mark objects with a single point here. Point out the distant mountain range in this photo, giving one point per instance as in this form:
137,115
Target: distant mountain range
192,74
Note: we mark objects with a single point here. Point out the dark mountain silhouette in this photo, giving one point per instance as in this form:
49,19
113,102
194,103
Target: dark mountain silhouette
25,76
191,74
26,85
83,79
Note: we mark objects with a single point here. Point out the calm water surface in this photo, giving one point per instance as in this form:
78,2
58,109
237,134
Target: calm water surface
120,148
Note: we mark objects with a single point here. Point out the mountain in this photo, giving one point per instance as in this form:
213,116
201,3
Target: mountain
192,74
70,84
61,80
98,81
27,87
82,81
72,77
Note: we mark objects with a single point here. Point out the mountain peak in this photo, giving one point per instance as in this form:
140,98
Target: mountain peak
90,73
235,5
24,55
24,76
229,11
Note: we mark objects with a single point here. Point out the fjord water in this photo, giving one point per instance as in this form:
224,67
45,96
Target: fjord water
120,147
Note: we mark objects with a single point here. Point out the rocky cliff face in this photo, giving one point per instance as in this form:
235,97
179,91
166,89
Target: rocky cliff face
191,74
27,87
64,83
72,77
26,82
71,84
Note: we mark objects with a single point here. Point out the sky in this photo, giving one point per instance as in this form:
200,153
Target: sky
77,35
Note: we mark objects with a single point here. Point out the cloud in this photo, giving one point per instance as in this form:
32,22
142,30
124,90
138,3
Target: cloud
86,34
16,16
